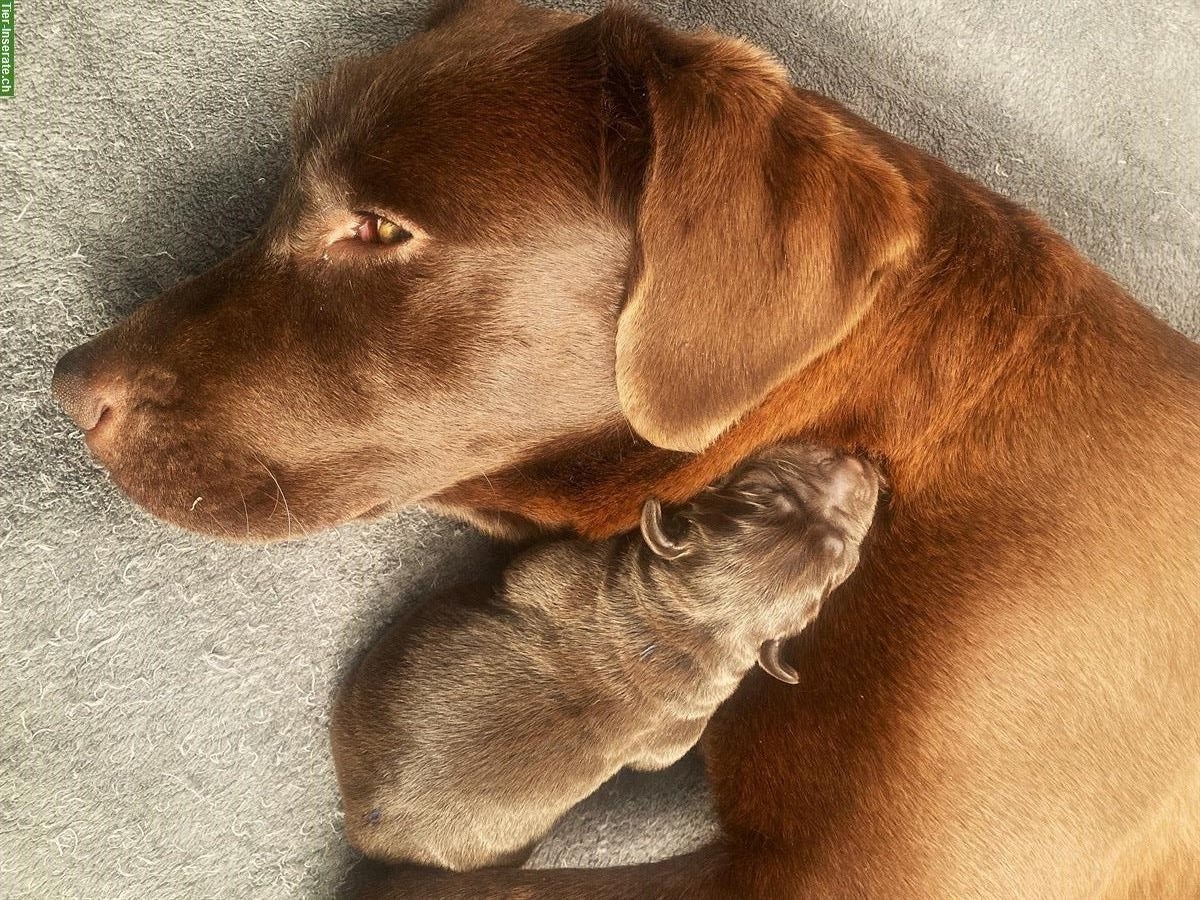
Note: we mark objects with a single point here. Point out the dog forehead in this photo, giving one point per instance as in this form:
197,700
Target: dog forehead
495,127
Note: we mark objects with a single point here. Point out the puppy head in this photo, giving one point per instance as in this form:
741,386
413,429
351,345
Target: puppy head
770,541
515,229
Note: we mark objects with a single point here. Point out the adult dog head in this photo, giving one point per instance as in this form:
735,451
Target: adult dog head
514,229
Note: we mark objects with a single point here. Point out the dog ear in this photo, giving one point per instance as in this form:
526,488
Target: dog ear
655,535
764,225
771,661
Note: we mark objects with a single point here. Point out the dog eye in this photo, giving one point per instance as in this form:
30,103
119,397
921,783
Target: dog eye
375,229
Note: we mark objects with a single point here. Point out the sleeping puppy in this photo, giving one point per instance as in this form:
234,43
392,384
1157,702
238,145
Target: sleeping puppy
473,726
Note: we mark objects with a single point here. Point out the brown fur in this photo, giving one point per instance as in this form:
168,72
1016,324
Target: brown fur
1002,703
473,725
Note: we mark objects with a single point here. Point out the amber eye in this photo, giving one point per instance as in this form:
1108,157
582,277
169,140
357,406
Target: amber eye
375,229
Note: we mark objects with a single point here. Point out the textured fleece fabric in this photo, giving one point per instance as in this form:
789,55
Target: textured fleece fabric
164,698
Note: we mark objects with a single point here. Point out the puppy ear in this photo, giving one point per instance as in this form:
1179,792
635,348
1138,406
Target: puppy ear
655,535
765,224
771,661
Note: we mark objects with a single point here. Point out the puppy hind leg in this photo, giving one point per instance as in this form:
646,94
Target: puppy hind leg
668,745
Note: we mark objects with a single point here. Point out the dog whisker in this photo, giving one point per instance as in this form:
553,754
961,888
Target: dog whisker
217,522
245,511
282,496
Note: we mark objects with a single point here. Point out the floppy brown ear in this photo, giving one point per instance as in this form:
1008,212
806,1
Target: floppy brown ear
764,226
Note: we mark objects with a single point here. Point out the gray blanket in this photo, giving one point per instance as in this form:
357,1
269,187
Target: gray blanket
163,698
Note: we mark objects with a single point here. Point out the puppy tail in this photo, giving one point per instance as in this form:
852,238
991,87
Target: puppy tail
695,876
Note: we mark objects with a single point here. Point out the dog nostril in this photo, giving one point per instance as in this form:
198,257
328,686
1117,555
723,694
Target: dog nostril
85,397
85,406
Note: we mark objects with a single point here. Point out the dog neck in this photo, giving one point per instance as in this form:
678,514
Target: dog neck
997,339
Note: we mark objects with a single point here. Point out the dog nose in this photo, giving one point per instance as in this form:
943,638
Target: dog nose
85,393
849,466
849,479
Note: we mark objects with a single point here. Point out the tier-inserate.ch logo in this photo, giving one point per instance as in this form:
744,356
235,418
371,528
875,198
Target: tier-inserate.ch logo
8,46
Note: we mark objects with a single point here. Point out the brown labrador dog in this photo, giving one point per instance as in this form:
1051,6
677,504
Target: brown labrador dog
474,724
534,268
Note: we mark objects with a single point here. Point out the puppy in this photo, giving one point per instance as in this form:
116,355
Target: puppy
473,726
